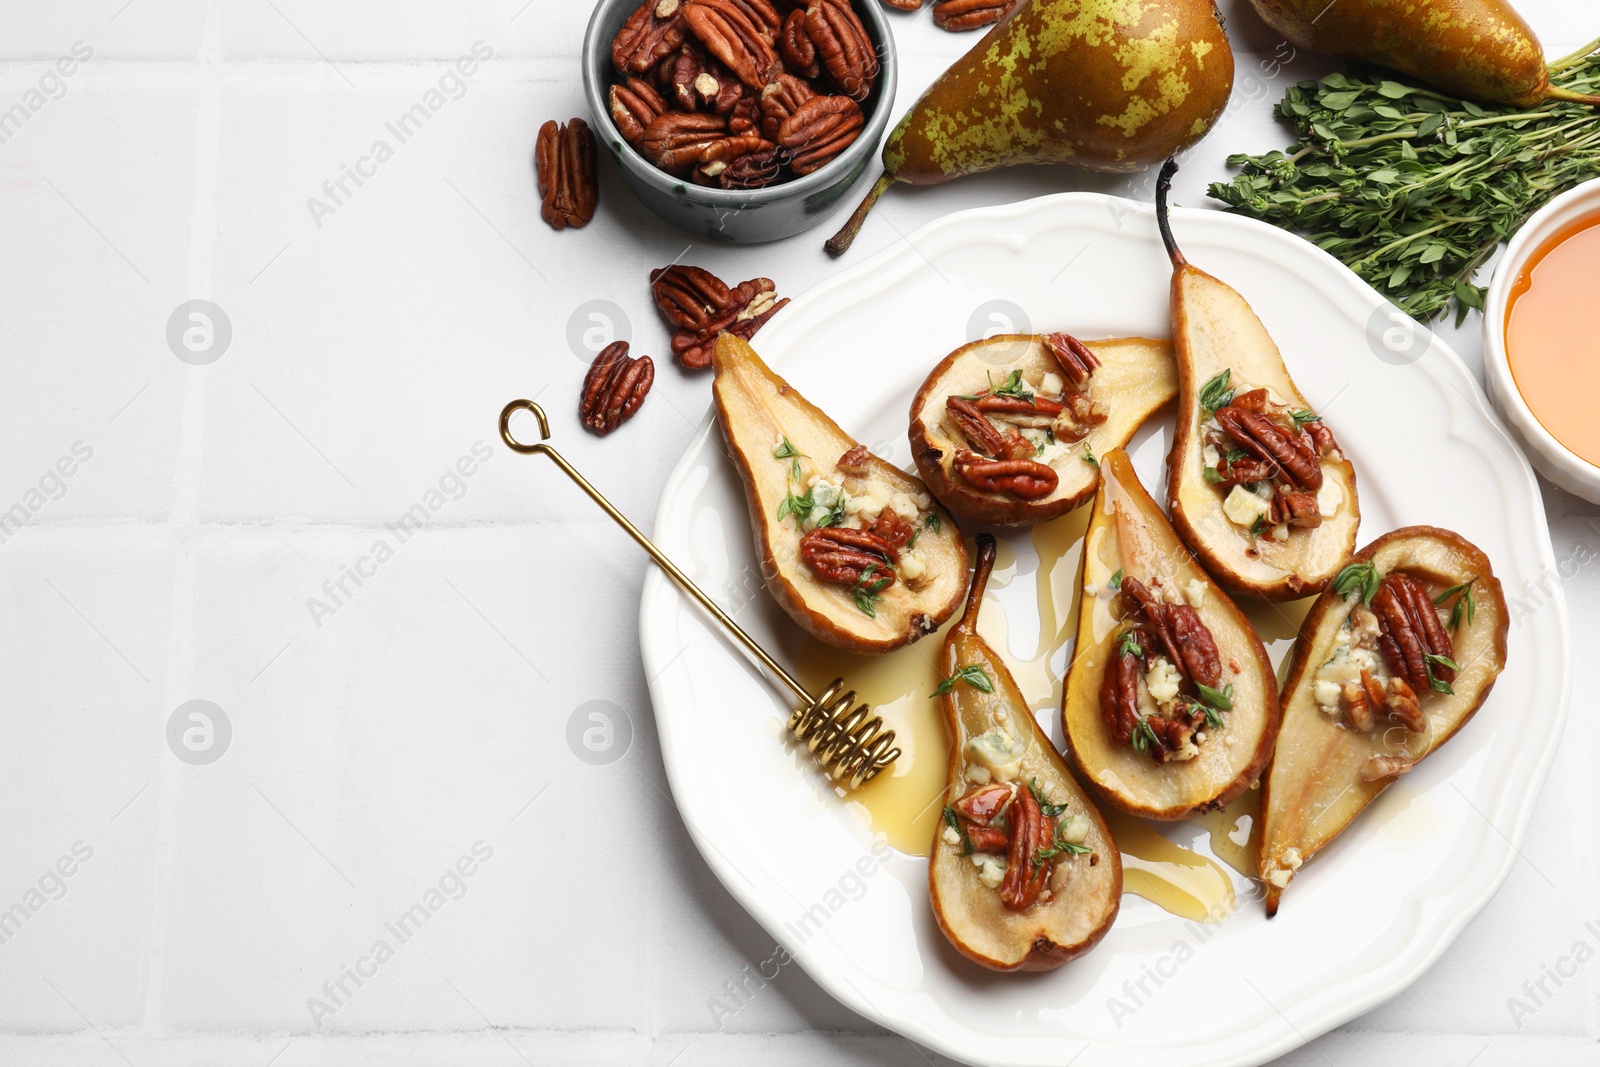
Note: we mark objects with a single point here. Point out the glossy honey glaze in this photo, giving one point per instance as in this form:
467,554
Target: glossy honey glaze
906,803
1552,335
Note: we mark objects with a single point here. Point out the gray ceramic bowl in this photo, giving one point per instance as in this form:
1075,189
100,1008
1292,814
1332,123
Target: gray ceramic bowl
744,217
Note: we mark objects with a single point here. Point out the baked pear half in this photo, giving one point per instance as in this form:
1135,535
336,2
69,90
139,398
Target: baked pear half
1394,658
1023,873
1256,483
852,547
1170,707
1006,430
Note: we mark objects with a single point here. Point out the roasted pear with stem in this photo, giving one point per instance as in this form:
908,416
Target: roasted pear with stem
1256,483
1023,873
1170,706
1393,659
1006,431
852,547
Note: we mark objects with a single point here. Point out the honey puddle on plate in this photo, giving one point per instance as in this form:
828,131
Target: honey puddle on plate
906,804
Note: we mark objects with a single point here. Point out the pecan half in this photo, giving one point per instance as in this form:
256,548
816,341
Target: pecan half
1410,632
1321,437
701,306
893,529
1186,639
1295,508
635,106
688,297
819,130
984,435
677,142
842,556
781,98
741,33
1037,406
754,170
744,117
1072,356
956,15
799,54
614,388
1025,479
690,78
904,5
854,460
569,187
1290,452
983,803
652,32
843,48
1031,830
1119,695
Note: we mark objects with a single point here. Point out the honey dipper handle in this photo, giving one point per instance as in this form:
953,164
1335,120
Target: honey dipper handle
660,557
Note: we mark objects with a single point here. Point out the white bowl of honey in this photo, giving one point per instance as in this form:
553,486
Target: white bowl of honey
1541,350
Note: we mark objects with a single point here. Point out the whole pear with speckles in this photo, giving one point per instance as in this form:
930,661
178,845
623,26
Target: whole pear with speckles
1106,85
1479,49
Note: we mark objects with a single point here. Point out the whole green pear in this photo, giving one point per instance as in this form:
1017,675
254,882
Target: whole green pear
1106,85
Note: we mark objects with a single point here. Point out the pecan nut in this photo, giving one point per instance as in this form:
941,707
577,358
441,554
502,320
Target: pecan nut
677,142
635,106
569,187
652,32
1025,479
1296,508
1412,639
701,306
1072,356
799,53
819,130
982,804
984,435
688,297
741,33
781,98
843,556
844,50
753,170
1186,639
614,388
1119,694
1031,830
751,304
957,15
1290,452
904,5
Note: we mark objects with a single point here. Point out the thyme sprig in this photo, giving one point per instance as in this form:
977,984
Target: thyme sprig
1414,189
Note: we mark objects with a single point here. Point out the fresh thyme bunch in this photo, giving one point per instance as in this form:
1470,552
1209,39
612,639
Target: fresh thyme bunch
1414,189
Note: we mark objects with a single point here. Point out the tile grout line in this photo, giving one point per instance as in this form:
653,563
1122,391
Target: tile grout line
188,477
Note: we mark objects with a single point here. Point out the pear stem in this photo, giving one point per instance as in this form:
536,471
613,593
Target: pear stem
1555,92
1163,187
839,243
980,579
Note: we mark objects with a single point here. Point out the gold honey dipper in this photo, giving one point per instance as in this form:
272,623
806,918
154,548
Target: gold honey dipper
851,747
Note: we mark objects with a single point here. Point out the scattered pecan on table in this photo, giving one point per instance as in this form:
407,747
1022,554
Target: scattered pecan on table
614,388
958,15
569,187
699,305
708,88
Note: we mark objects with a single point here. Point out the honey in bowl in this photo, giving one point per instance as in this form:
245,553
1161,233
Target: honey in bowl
1553,336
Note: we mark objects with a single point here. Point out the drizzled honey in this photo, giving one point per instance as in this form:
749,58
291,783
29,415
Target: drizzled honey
906,803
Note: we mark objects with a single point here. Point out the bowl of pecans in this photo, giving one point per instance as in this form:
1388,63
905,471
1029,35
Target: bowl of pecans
740,120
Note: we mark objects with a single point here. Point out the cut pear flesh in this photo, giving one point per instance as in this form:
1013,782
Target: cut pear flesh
1322,775
1083,891
1128,537
1215,331
1136,376
779,443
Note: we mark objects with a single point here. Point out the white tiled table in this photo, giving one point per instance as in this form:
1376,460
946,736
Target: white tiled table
422,713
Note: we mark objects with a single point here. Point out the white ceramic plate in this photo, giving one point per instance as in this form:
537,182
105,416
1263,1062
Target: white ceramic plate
1364,919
